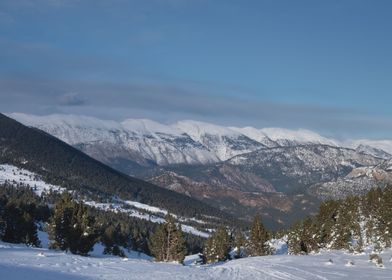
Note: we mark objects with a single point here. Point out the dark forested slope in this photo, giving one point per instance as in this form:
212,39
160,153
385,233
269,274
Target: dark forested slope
63,165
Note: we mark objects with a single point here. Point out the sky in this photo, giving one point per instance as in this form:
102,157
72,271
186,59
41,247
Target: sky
319,65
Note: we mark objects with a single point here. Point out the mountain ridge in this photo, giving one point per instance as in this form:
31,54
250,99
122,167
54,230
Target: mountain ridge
188,141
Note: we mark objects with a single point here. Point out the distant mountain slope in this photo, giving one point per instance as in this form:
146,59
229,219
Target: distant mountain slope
296,167
137,143
285,137
376,152
275,182
383,145
63,165
359,181
144,140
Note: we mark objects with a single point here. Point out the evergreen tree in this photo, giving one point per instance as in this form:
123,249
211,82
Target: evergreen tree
294,242
239,244
84,233
167,243
19,226
257,243
71,227
325,220
217,246
111,239
61,223
346,228
30,231
3,202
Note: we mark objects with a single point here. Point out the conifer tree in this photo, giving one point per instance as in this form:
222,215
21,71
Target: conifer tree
111,238
20,226
257,243
294,239
325,220
84,233
239,244
30,231
167,243
217,246
71,227
302,238
3,202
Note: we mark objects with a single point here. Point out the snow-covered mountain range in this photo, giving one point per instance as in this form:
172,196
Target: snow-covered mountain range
240,170
191,142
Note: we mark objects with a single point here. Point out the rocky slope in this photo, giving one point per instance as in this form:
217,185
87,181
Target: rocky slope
359,181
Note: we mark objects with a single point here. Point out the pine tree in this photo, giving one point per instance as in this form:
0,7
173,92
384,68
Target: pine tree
294,239
71,227
325,220
20,226
239,244
257,243
84,233
167,243
217,246
3,202
30,231
111,238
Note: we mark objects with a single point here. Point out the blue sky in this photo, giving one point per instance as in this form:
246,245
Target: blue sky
320,65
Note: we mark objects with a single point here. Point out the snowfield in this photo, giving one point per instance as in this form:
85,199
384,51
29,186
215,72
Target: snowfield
20,262
15,176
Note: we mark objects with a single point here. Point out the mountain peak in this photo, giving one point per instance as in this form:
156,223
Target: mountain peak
146,126
197,129
302,136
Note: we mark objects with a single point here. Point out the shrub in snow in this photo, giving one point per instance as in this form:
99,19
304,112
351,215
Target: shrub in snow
329,262
239,246
350,263
376,259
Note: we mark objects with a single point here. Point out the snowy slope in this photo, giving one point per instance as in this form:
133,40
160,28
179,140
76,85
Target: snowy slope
18,262
274,137
385,145
17,176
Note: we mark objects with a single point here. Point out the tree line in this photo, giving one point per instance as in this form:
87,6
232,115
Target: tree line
350,224
72,226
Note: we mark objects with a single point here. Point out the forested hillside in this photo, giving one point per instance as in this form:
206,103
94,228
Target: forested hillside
60,164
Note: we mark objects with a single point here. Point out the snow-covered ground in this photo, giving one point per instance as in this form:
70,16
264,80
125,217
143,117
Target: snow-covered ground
20,262
15,176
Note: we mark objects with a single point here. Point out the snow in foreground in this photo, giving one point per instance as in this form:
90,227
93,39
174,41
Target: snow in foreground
19,262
